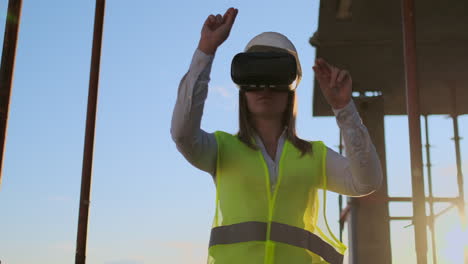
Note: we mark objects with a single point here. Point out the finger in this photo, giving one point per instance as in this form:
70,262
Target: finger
334,74
319,67
324,70
228,13
219,19
230,16
318,72
209,20
324,65
342,76
320,76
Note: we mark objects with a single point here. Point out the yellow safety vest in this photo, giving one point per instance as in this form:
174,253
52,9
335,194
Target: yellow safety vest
254,226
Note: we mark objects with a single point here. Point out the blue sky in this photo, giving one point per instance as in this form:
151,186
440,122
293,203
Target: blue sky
148,205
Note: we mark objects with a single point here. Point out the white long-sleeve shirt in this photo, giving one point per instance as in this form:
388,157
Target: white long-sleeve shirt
359,173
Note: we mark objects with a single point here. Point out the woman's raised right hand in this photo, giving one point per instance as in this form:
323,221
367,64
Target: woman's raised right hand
216,30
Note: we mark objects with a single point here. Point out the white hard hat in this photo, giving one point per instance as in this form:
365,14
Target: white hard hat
276,40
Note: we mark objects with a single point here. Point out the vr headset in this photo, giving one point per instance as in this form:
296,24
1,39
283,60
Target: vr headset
261,70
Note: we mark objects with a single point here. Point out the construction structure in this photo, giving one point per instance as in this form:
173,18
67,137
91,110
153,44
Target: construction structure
406,58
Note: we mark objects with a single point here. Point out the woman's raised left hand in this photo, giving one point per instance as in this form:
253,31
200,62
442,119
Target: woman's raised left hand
336,84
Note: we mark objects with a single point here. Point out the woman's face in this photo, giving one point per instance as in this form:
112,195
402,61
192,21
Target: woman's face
267,103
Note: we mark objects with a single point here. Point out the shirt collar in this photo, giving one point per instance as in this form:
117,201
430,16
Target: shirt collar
259,141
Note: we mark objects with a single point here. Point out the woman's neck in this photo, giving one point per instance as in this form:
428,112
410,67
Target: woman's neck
269,129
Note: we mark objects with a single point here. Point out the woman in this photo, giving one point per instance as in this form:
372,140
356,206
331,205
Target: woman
267,178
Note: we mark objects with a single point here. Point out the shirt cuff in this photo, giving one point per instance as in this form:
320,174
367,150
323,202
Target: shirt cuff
347,116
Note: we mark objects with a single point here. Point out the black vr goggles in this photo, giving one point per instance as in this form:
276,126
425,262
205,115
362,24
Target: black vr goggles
260,70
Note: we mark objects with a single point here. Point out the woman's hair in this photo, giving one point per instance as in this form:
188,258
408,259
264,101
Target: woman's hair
247,130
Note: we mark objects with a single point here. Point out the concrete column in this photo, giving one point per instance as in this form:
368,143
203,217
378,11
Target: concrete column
368,221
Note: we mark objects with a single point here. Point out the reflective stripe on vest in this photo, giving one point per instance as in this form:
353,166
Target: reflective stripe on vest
257,231
242,232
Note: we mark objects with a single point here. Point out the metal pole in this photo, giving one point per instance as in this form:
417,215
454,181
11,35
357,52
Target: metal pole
80,257
461,192
7,67
456,140
412,104
429,182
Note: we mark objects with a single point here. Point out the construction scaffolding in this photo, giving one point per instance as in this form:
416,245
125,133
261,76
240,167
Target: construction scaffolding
410,42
